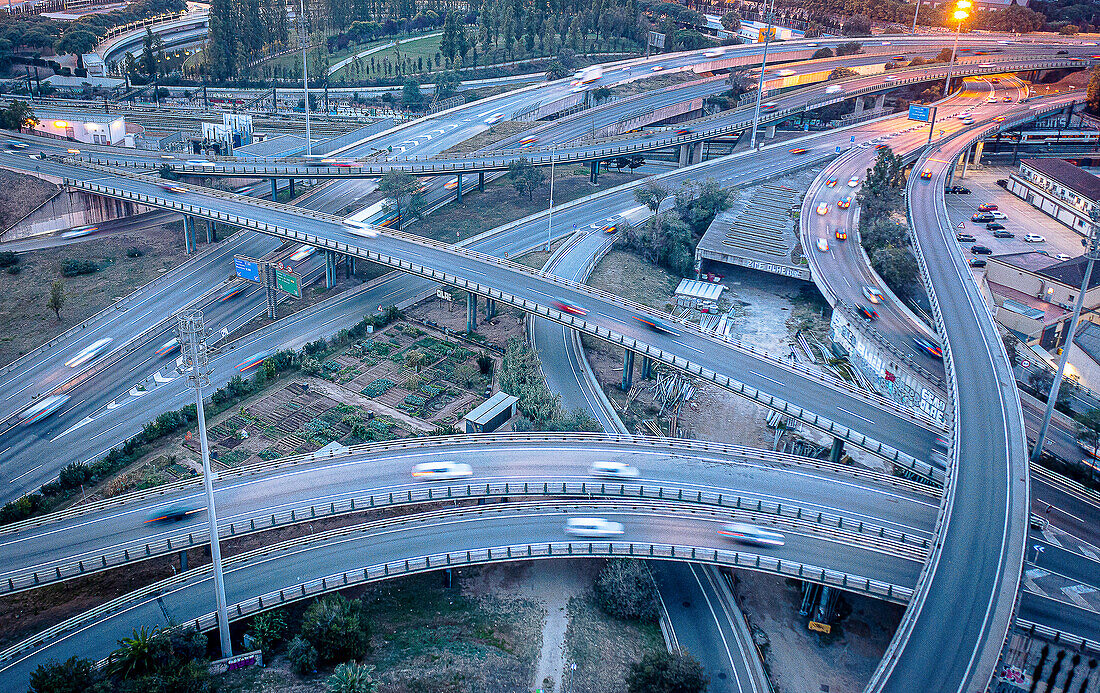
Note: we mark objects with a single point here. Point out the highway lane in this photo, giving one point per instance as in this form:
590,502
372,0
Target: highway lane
112,527
353,549
1060,616
964,605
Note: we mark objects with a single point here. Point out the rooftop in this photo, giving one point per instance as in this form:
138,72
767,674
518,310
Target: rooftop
1029,260
1088,339
491,407
1071,272
1027,305
1076,179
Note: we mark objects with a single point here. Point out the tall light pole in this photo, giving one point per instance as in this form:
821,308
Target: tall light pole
192,336
303,42
916,10
760,82
1092,244
961,13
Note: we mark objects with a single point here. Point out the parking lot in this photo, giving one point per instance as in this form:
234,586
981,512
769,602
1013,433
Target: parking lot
1022,217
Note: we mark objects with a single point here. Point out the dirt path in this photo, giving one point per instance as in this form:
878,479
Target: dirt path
556,582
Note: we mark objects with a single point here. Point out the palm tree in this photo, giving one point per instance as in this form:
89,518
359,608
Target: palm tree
137,654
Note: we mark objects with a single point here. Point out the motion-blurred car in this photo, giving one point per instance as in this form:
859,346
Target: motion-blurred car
834,89
926,173
432,471
823,245
656,325
168,347
831,183
682,131
253,361
867,312
799,150
172,514
528,141
744,533
168,187
823,208
873,294
714,53
841,235
618,470
570,308
593,527
928,347
451,184
494,119
78,231
89,352
853,182
844,202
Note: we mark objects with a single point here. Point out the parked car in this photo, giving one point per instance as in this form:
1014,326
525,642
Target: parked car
982,218
987,207
1034,238
994,226
1000,233
977,262
999,215
965,238
981,250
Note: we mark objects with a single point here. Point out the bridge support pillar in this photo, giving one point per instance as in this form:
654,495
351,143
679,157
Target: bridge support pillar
685,155
275,189
471,311
351,264
628,370
330,269
211,231
837,451
481,181
594,172
183,561
490,309
189,234
979,147
458,190
647,368
880,102
290,186
859,107
697,153
965,162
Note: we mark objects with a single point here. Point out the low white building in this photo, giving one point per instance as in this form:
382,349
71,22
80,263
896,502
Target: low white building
90,128
1058,188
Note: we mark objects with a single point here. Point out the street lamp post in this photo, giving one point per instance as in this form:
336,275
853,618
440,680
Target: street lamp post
1092,244
760,82
303,41
192,337
961,13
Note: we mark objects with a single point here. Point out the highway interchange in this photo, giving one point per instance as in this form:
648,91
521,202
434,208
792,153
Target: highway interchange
617,318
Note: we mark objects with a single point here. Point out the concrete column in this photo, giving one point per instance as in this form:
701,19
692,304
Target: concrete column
189,234
880,102
471,311
183,561
647,368
685,155
490,309
330,269
697,153
481,181
351,265
275,189
859,106
979,147
290,185
594,167
965,162
211,231
837,451
458,190
628,370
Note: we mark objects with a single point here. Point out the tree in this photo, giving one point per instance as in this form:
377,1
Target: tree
17,115
268,629
1088,429
666,673
152,46
74,675
525,177
841,73
411,97
849,48
1092,94
137,655
651,194
57,298
398,185
825,52
415,358
352,677
625,589
446,84
731,21
896,266
857,25
335,627
76,42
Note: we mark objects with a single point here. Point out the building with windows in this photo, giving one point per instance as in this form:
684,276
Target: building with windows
1058,188
90,128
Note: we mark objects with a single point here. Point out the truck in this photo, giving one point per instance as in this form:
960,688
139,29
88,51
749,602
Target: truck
587,75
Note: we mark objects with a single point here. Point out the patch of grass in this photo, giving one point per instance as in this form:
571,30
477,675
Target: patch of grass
603,647
631,277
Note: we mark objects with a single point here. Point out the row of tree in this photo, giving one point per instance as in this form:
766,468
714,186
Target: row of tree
883,234
240,30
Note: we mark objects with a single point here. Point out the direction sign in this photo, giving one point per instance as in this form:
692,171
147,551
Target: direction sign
656,39
921,113
246,268
290,283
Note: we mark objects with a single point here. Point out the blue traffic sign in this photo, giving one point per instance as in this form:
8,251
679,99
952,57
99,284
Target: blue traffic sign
921,113
247,268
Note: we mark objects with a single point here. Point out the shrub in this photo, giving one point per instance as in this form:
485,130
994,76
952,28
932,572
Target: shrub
625,589
352,677
335,627
74,474
73,268
74,675
134,251
8,258
666,673
14,269
302,655
267,630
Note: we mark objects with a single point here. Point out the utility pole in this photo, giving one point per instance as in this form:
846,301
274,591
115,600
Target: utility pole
192,337
303,42
760,82
1092,245
916,10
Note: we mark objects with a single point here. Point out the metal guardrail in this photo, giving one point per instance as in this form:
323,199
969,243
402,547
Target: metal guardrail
829,525
1057,637
422,563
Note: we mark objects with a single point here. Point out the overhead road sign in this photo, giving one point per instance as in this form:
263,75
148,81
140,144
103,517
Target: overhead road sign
921,113
247,268
288,282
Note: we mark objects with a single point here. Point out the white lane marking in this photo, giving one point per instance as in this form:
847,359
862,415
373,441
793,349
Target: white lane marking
852,413
24,474
160,379
86,420
772,380
687,346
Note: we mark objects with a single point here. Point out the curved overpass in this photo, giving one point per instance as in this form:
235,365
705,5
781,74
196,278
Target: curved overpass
186,29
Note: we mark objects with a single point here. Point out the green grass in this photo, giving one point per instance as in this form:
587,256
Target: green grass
603,647
414,47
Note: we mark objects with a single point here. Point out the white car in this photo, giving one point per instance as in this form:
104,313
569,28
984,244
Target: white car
999,215
657,68
618,470
432,471
1061,256
823,208
823,244
744,533
593,527
715,53
873,294
853,182
1034,238
494,119
834,89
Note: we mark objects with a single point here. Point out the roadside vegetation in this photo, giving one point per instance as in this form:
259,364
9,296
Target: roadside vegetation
883,229
521,375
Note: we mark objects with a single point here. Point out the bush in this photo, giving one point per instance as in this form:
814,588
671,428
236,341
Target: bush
14,269
267,630
302,655
335,627
73,268
74,474
74,675
825,52
134,251
625,589
666,673
8,258
352,677
484,363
